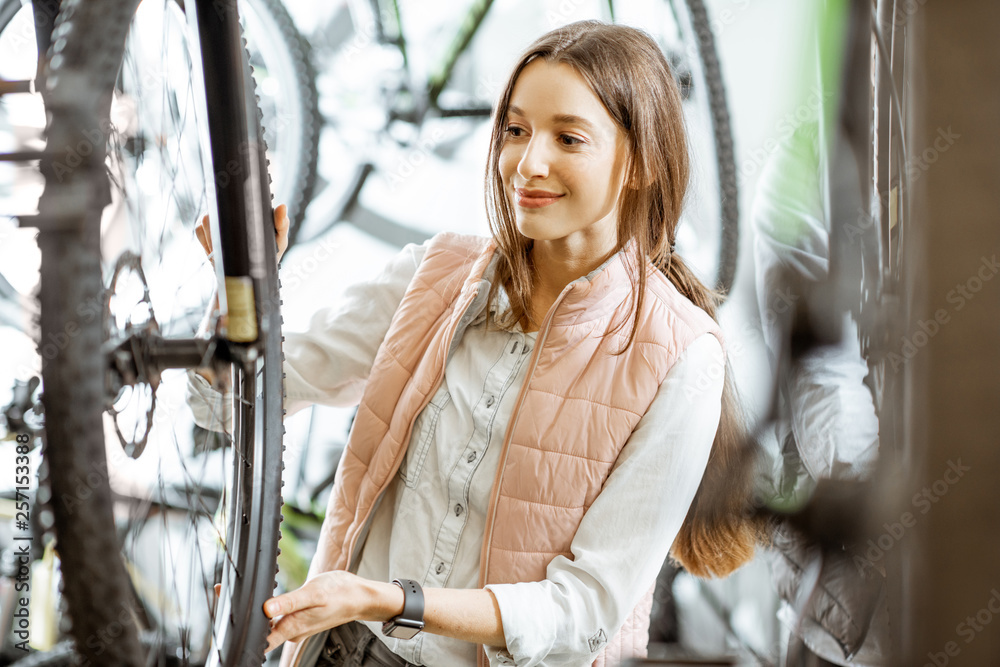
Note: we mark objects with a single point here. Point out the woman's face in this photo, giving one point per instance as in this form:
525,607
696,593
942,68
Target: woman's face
562,159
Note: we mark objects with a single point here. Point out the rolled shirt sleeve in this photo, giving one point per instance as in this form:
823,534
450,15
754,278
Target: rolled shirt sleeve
626,534
328,363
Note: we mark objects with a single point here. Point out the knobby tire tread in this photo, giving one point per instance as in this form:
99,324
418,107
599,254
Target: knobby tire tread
73,377
729,245
96,587
265,571
305,73
74,451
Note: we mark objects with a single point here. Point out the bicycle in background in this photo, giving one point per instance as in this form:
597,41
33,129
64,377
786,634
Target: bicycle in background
399,84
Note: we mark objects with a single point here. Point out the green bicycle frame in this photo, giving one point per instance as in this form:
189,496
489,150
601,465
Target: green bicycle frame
441,73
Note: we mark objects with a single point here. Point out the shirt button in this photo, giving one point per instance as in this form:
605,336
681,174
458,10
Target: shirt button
525,350
458,510
489,402
513,348
440,568
471,457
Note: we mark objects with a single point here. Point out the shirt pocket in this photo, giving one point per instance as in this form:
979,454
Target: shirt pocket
424,430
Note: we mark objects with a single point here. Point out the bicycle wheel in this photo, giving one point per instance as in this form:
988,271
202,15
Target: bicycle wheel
124,130
713,102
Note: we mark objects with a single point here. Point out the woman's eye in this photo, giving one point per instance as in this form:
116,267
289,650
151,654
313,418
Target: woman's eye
569,140
514,131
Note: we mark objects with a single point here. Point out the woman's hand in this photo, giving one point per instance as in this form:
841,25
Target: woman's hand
334,598
201,231
326,601
280,233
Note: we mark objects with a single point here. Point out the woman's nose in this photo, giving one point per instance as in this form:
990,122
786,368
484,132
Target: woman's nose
534,162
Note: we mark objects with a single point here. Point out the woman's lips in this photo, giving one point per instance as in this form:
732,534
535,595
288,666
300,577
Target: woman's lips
535,198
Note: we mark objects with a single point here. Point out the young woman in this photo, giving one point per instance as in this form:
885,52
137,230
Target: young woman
544,414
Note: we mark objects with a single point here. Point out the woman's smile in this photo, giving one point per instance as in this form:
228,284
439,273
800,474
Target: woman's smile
535,198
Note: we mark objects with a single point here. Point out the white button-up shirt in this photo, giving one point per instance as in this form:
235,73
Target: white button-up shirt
430,523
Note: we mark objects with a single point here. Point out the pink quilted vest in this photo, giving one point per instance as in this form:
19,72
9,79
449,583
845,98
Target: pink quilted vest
578,406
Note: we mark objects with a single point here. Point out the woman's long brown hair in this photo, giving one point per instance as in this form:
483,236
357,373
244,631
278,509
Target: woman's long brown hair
627,71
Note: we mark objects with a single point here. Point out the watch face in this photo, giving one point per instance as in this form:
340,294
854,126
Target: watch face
404,632
402,628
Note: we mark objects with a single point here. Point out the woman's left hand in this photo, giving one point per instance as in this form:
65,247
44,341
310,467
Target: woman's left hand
281,225
325,601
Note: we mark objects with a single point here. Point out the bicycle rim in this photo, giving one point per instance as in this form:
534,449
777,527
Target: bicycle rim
190,510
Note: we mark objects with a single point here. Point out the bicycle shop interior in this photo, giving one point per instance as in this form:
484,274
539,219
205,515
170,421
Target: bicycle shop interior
843,197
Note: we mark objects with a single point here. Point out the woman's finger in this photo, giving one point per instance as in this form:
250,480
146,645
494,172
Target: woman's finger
204,237
281,224
289,603
290,628
275,638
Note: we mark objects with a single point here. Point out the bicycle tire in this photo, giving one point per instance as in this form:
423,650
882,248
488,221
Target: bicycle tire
82,80
725,155
298,169
72,380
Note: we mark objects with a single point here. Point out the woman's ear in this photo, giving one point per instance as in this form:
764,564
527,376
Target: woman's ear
624,164
636,176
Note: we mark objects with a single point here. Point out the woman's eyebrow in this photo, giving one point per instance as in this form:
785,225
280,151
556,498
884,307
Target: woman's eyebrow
559,119
570,119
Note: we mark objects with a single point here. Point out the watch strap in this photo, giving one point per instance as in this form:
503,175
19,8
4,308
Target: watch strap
410,622
413,600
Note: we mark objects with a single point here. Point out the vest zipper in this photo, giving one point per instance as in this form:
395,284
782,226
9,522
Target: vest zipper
540,342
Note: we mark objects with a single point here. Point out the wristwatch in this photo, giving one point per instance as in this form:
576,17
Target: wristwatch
409,623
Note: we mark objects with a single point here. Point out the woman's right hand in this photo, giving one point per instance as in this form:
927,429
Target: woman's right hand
280,233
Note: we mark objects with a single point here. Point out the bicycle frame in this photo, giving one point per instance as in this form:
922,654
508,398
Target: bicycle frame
444,67
441,72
